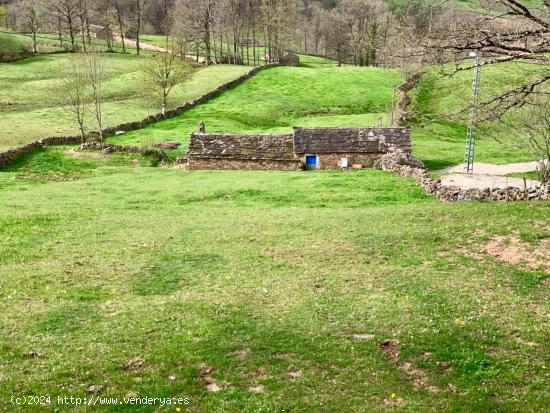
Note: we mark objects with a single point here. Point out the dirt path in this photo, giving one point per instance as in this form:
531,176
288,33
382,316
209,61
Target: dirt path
490,169
152,47
480,181
487,175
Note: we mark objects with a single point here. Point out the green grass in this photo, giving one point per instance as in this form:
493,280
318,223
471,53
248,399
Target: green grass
30,95
185,269
527,175
277,99
439,140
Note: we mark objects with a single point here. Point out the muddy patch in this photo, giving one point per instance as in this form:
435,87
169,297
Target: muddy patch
416,376
513,251
209,383
135,364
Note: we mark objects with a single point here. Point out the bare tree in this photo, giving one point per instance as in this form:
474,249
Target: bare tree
66,12
82,11
120,11
94,65
507,30
31,11
138,6
199,16
75,91
161,73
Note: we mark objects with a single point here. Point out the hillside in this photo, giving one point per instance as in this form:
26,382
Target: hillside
277,99
31,92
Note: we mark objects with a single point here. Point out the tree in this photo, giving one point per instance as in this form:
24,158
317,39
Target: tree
199,17
120,10
507,30
82,11
66,12
32,12
138,11
161,73
75,91
94,66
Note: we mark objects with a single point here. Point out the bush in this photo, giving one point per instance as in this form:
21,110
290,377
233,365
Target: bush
12,48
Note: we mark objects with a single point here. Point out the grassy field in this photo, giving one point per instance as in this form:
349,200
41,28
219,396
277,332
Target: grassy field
277,99
30,94
278,288
439,140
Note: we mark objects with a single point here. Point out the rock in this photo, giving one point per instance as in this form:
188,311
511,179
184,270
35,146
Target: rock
364,337
95,388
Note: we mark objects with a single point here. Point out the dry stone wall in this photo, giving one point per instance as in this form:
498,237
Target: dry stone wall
10,156
409,167
245,164
106,148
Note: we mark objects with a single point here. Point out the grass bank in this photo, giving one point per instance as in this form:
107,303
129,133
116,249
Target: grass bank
277,99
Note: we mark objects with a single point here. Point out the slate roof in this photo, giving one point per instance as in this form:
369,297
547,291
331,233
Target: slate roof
350,140
242,147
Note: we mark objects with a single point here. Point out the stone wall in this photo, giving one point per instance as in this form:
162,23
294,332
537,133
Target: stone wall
106,148
245,164
409,167
11,155
399,114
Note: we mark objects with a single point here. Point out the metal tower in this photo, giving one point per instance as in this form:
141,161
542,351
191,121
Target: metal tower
470,138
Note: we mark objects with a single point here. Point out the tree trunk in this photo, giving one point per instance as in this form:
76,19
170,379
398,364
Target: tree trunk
138,24
121,28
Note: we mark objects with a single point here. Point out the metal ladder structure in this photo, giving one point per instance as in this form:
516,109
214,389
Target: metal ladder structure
470,138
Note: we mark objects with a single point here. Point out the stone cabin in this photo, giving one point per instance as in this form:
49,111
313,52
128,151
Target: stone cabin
306,148
334,148
100,32
290,59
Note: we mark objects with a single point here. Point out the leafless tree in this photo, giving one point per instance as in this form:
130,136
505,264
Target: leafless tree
199,16
67,14
94,66
75,90
507,30
138,6
31,12
120,11
83,13
161,73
